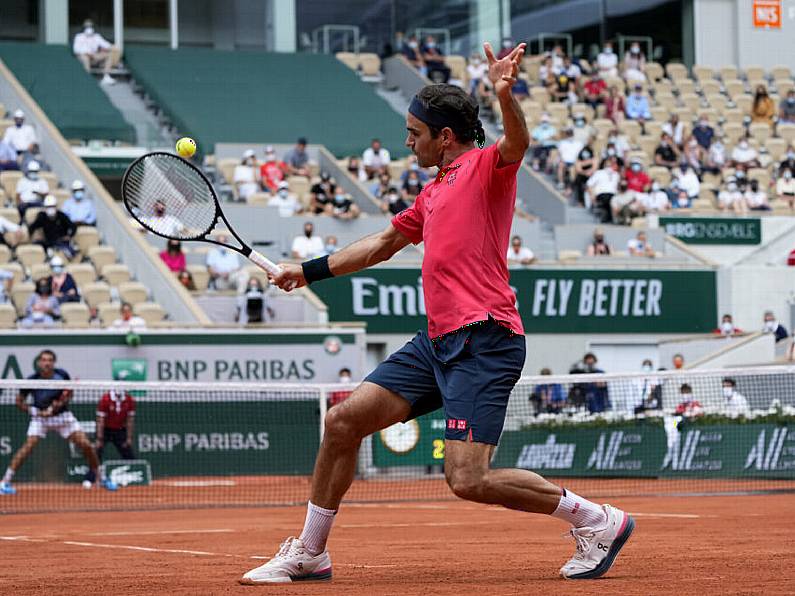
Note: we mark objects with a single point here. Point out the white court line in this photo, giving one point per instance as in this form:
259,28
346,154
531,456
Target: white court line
200,483
148,549
153,532
426,524
674,515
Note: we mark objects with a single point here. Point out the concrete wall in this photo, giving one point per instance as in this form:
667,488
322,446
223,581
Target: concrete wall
751,290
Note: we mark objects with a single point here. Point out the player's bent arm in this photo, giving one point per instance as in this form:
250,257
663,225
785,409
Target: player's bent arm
513,145
368,251
21,405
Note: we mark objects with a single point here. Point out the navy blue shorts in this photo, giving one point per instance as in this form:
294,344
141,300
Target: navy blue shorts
470,372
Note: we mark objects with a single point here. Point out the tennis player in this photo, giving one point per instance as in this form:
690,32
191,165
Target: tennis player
474,350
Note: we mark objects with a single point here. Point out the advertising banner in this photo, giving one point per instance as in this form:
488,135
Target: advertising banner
714,230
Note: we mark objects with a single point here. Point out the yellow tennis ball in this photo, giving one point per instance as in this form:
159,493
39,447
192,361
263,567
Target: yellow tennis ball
186,147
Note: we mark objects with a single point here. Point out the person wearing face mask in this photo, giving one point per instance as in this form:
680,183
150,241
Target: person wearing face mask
78,207
93,50
656,200
411,51
716,156
33,154
674,129
638,105
583,131
734,402
272,171
477,69
162,221
542,142
62,283
595,90
607,61
646,392
286,201
568,150
42,308
413,166
703,132
620,143
786,108
788,162
615,105
693,155
330,245
756,198
128,321
344,377
785,188
246,178
599,248
518,254
584,167
392,202
223,265
639,246
727,327
57,229
308,245
173,256
412,187
21,137
637,179
376,159
732,198
771,325
666,154
763,109
437,70
8,157
253,304
31,189
688,180
634,63
594,395
602,186
343,206
744,156
689,406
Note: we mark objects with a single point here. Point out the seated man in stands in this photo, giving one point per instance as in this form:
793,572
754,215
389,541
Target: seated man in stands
93,50
626,205
33,154
568,150
330,245
656,200
666,154
163,222
639,246
412,186
286,201
688,180
756,198
727,327
411,51
518,254
8,157
62,283
380,188
786,108
252,305
689,406
413,166
31,189
42,308
127,321
744,156
246,176
542,142
21,136
602,186
734,402
637,179
703,132
607,61
223,265
637,105
272,171
773,326
785,188
375,159
732,198
693,155
308,245
595,90
598,247
675,129
57,229
343,206
78,207
432,55
297,159
548,398
392,202
716,157
6,283
321,194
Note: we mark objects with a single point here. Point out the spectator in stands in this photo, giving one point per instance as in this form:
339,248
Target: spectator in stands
763,108
732,198
411,51
78,207
620,143
91,49
31,189
62,283
562,86
744,156
674,129
703,132
647,391
639,246
33,154
756,198
678,361
223,265
331,245
599,248
786,109
11,234
572,70
584,167
656,200
21,136
727,326
595,394
375,160
771,325
477,70
186,279
392,202
173,256
542,142
253,304
520,89
607,61
162,221
432,55
615,106
583,132
557,56
518,254
412,186
716,156
286,201
57,229
689,406
413,166
272,171
246,176
785,188
595,90
384,184
666,154
688,180
307,246
625,205
602,187
736,403
634,63
638,105
127,321
568,150
637,179
546,72
8,157
548,398
42,308
321,194
343,206
337,397
297,159
6,283
693,155
788,163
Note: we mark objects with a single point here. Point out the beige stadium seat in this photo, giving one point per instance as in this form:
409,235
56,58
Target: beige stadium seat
60,194
51,179
630,128
371,65
4,124
760,131
734,87
31,214
83,273
8,180
30,254
703,73
776,147
558,111
603,126
691,101
457,65
532,109
733,116
661,113
710,87
8,316
299,185
744,102
396,168
115,273
648,143
781,72
761,175
755,73
540,95
728,72
349,59
75,315
676,71
653,128
654,71
19,295
201,277
660,174
258,199
86,237
133,292
16,269
108,312
685,86
784,86
95,293
786,131
569,255
583,109
101,256
227,167
40,270
151,312
5,254
11,214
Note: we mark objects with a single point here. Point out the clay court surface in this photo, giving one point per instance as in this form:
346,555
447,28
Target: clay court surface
682,545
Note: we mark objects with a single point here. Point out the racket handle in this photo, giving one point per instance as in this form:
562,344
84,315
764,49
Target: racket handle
264,262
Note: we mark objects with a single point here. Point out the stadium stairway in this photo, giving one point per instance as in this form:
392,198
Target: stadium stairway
149,131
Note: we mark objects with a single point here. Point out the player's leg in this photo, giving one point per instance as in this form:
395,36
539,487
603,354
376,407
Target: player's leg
16,462
125,448
79,439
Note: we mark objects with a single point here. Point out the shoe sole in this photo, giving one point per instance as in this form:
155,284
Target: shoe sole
323,576
608,561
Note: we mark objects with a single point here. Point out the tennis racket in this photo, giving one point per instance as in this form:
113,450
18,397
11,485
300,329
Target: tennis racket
170,197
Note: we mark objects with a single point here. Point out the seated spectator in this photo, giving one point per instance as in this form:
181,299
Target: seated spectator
639,246
666,154
33,154
411,51
656,200
21,137
343,206
392,202
546,72
62,283
568,150
253,304
688,180
763,108
185,278
557,56
548,398
272,171
31,189
57,229
785,188
620,143
380,188
625,205
356,169
337,397
11,234
8,157
594,395
542,142
678,361
78,207
583,131
638,105
637,179
127,321
246,176
602,187
773,326
412,186
599,248
735,403
162,221
42,308
223,265
91,49
786,109
477,71
413,166
562,86
693,155
732,198
584,167
788,163
615,105
297,159
6,283
756,198
607,61
674,129
595,90
173,256
573,71
331,245
634,63
375,160
727,326
321,194
689,406
647,394
716,157
520,89
703,132
744,156
518,254
436,69
680,198
307,246
286,201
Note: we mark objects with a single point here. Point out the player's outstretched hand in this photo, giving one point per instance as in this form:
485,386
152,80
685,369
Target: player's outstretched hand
503,73
290,278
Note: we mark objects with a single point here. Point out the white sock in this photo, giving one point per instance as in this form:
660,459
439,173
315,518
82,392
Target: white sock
579,512
8,475
316,528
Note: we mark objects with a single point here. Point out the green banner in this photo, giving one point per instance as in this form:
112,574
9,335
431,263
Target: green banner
714,230
550,300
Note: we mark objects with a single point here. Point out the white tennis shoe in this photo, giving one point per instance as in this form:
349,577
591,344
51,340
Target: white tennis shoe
291,564
597,548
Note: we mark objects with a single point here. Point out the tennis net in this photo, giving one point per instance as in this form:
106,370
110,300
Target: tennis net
227,445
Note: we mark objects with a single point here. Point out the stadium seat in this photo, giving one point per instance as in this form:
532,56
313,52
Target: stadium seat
75,315
539,95
648,143
728,72
100,256
8,180
744,102
40,270
349,59
371,65
201,277
8,316
660,174
703,73
83,273
299,186
51,179
31,214
227,168
5,254
95,293
133,292
776,147
710,87
569,255
258,199
734,87
781,72
691,101
11,214
676,71
86,237
786,131
733,131
108,312
30,254
60,194
654,71
631,128
16,269
151,312
761,175
783,86
755,73
661,113
458,67
685,86
760,131
115,273
19,295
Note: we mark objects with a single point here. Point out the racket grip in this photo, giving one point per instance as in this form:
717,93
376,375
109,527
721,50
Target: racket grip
264,262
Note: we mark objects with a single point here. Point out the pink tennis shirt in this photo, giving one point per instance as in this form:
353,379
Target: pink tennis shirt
464,218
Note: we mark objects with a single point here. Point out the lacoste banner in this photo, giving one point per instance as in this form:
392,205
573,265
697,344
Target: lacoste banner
550,300
714,230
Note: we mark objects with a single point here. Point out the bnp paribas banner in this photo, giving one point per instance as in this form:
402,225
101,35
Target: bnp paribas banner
549,300
714,230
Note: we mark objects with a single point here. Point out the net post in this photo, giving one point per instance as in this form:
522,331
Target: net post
323,395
